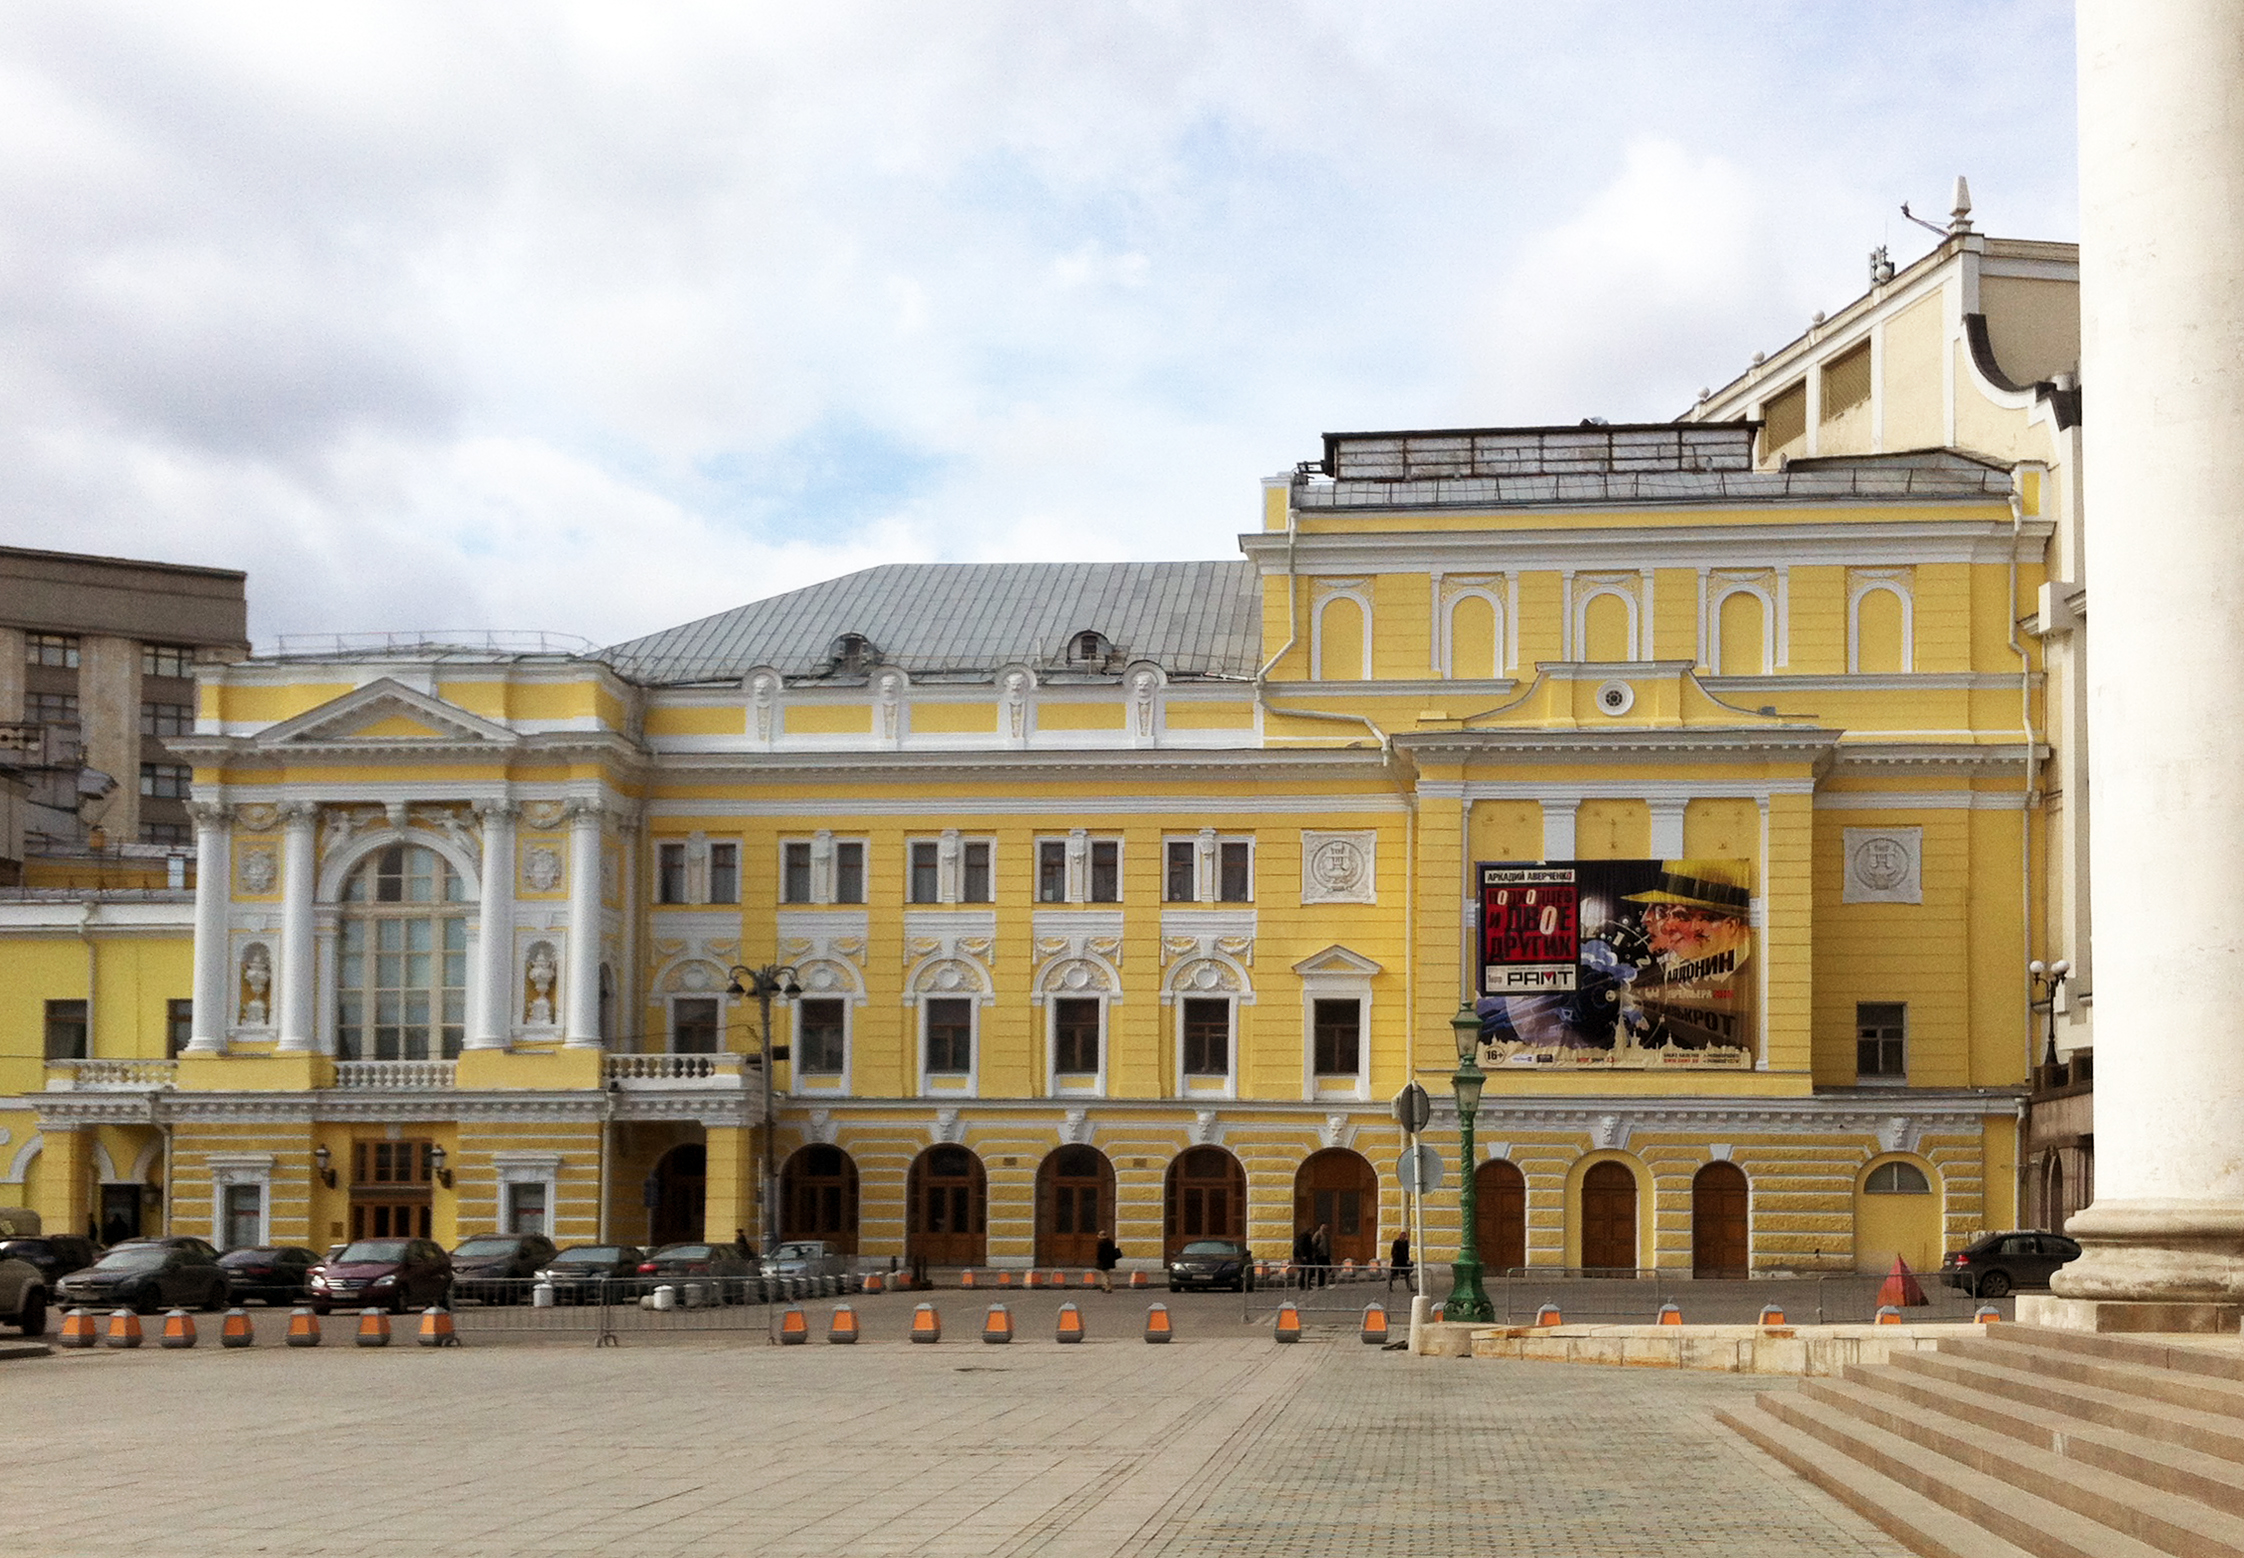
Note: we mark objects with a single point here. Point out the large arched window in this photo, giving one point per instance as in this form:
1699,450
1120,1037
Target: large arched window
401,975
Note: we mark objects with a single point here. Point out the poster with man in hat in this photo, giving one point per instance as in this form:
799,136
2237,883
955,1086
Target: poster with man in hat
1616,963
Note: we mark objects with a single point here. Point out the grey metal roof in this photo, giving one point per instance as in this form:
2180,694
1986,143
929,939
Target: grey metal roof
964,620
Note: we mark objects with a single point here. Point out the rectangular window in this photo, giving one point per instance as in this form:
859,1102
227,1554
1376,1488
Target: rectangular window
525,1207
794,871
167,719
1880,1049
819,1032
1207,1038
670,873
849,872
1106,870
974,875
1075,1035
391,1163
950,1034
724,873
694,1026
66,1030
1177,885
1235,873
1051,871
1338,1036
167,833
179,1026
245,1217
52,649
165,781
51,708
926,877
166,660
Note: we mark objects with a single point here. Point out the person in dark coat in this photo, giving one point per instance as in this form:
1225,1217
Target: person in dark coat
1398,1264
1304,1255
1108,1257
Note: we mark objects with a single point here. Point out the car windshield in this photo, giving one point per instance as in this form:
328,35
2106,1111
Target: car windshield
589,1255
684,1252
1211,1247
137,1257
801,1251
476,1247
370,1251
248,1257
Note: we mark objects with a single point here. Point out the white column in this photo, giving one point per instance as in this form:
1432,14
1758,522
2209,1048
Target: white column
492,1021
2162,223
298,949
214,875
581,1000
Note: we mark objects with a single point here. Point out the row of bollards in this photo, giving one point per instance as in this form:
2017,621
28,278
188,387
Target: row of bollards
123,1329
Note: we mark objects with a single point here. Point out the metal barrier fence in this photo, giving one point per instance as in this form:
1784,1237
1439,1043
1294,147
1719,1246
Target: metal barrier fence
611,1308
1333,1295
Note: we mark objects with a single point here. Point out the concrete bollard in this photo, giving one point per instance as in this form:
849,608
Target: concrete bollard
842,1330
436,1327
373,1328
237,1330
1289,1322
1070,1327
1987,1314
794,1329
124,1329
1772,1314
1549,1315
1157,1327
874,1282
997,1325
927,1324
1671,1314
179,1330
1888,1315
78,1329
1374,1333
303,1326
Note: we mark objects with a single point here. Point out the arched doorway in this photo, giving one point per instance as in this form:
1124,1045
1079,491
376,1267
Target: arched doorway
947,1201
1337,1190
1896,1212
2053,1209
1074,1201
1500,1214
1205,1198
1609,1218
681,1189
1718,1222
818,1197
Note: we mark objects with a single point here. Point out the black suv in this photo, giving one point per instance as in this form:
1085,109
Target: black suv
496,1268
54,1255
1996,1263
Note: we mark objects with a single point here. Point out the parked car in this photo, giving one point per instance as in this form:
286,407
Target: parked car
272,1273
1212,1263
150,1274
578,1272
495,1268
55,1255
172,1241
676,1264
396,1274
806,1258
23,1296
1997,1263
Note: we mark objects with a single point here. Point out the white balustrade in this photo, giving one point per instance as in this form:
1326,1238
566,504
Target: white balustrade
120,1073
717,1070
395,1075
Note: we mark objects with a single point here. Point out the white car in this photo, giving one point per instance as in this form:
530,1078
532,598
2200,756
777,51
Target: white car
806,1258
23,1296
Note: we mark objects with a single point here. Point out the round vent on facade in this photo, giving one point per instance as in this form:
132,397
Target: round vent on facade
1616,698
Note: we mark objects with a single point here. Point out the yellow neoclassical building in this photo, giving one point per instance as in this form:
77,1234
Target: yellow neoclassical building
1125,895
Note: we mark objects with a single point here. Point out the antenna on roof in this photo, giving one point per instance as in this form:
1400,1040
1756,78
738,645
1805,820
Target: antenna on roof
1881,266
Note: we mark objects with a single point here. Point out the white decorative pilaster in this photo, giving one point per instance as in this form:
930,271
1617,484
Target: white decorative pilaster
1667,826
1558,829
581,998
491,1023
298,953
214,878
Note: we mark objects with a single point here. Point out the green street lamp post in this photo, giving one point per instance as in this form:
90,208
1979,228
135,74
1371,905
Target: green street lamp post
1467,1300
764,983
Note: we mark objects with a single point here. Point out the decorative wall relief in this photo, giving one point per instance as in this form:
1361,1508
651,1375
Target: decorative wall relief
541,868
1884,865
256,986
1015,685
888,696
544,816
763,704
537,984
260,870
1145,684
1078,965
1339,867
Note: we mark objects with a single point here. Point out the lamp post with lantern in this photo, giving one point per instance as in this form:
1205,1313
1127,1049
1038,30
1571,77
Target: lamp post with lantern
2049,978
1467,1300
764,983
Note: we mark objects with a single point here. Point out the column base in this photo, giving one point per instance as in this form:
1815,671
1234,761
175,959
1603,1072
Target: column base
2157,1253
2118,1317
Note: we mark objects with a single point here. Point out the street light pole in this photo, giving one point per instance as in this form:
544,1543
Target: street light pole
1467,1300
2050,978
764,983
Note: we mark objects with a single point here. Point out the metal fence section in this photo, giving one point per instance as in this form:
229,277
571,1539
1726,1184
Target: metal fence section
611,1308
1332,1295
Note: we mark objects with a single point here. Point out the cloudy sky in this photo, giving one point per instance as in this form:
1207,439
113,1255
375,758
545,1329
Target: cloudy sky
597,318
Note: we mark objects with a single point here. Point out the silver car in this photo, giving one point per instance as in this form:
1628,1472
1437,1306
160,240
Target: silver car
806,1258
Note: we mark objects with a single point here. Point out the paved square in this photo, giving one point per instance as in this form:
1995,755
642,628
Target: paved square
1227,1444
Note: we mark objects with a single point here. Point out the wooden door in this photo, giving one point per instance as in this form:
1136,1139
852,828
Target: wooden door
1718,1222
948,1198
1500,1215
681,1196
1609,1217
1207,1199
1338,1191
1074,1202
818,1197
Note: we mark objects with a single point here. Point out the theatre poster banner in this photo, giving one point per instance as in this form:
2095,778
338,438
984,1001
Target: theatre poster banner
1617,964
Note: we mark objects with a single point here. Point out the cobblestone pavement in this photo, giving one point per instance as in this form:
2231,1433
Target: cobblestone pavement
1221,1446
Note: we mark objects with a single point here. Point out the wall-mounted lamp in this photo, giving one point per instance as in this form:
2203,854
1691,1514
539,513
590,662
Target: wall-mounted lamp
436,1167
326,1162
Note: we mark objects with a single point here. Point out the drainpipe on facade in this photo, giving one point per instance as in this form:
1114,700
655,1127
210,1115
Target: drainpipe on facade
2033,776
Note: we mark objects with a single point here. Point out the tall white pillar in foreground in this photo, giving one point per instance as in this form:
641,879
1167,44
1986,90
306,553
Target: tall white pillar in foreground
492,1016
214,877
298,928
2162,301
581,986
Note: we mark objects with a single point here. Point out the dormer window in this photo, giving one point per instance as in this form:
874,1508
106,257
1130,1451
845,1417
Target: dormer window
1089,648
853,654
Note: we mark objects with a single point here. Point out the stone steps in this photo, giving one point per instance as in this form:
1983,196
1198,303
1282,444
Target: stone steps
2020,1440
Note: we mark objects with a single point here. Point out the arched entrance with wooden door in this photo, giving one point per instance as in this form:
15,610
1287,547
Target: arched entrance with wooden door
947,1208
1205,1198
1339,1191
1500,1215
818,1196
1608,1203
1074,1201
1718,1222
681,1191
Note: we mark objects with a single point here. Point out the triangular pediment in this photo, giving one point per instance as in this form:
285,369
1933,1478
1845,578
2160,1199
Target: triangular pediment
1337,959
386,713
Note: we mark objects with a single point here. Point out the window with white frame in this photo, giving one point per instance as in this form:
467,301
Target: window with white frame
1051,870
849,871
724,873
1207,868
924,872
794,871
1336,1036
947,1028
1078,1025
670,873
244,1217
526,1210
975,884
821,1036
1207,1036
696,1025
1105,883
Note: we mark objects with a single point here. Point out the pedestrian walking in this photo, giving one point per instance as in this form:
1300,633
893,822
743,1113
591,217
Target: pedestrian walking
1320,1253
1304,1256
1398,1264
1108,1256
741,1244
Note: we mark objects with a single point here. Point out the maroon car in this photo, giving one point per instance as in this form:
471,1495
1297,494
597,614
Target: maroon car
392,1274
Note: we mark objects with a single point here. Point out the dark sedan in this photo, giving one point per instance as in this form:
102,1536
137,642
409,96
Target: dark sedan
1212,1263
495,1268
53,1255
148,1276
392,1274
718,1268
1998,1263
270,1273
581,1272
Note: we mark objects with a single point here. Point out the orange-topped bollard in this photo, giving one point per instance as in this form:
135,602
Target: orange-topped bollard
1772,1314
179,1330
1070,1328
237,1331
1289,1322
1348,1270
1157,1328
1671,1314
1549,1315
1137,1281
436,1327
373,1327
1375,1325
794,1329
1987,1314
841,1331
966,1278
78,1329
1888,1314
303,1327
124,1329
1005,1279
1034,1279
874,1282
927,1325
997,1325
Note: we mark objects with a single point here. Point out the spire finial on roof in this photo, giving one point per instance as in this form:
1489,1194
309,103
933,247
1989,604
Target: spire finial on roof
1959,213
